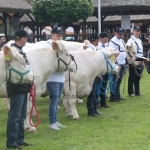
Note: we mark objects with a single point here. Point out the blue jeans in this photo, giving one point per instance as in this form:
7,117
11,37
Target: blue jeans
16,117
55,90
115,87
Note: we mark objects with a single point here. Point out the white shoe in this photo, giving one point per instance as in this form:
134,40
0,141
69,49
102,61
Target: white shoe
132,95
54,126
60,125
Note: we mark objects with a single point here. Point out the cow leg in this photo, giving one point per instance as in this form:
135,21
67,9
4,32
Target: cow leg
72,106
67,107
7,103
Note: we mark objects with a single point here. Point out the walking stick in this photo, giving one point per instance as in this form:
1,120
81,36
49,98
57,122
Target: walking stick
124,81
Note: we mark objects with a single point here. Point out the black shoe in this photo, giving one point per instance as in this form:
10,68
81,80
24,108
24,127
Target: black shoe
121,99
14,147
97,113
114,100
105,106
92,114
25,144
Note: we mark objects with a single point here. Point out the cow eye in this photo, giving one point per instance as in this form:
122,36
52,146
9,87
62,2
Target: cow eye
67,55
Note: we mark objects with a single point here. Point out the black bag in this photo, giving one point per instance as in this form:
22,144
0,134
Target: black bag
16,89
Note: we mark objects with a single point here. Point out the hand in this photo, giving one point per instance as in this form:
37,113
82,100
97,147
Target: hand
127,66
143,64
148,59
97,78
132,59
119,67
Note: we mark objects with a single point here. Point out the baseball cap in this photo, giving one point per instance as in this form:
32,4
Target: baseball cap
119,30
94,36
20,33
137,28
57,30
103,35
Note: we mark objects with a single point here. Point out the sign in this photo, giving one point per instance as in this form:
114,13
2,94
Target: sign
125,22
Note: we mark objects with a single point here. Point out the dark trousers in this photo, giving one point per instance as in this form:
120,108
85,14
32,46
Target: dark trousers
16,117
91,101
103,89
134,80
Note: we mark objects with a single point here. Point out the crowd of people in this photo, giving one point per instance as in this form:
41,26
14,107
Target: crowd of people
99,42
55,83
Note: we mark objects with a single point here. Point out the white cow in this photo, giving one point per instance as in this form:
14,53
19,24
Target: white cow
44,62
14,61
90,65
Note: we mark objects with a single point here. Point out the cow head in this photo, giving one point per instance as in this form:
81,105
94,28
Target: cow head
64,58
111,55
131,53
15,61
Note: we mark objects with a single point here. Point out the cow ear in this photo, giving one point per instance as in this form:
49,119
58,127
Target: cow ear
7,53
55,46
114,55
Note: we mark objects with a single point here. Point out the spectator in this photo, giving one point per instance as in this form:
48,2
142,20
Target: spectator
55,85
44,37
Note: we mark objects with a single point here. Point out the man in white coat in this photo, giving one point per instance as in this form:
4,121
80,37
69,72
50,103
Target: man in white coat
91,100
134,79
118,42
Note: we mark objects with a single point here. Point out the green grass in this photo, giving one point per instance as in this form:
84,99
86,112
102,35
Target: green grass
125,126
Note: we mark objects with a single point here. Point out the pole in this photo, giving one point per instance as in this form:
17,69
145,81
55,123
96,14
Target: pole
99,16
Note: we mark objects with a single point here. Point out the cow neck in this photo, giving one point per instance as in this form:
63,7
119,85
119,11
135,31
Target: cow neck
100,63
46,63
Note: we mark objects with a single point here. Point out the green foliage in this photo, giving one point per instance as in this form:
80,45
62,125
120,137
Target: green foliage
61,11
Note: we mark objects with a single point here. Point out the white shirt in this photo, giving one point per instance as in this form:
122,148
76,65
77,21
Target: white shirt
119,45
48,44
100,45
92,47
137,44
56,76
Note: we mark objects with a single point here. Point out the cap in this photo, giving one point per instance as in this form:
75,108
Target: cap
57,30
20,33
137,28
103,35
147,36
119,30
94,36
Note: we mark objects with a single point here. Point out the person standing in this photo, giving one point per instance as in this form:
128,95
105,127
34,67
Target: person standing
91,100
118,43
103,39
55,84
148,54
18,101
134,79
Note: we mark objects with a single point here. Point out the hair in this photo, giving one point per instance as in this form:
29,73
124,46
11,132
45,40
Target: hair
17,39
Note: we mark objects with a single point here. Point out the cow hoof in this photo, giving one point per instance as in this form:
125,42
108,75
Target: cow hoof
79,101
30,130
75,118
69,116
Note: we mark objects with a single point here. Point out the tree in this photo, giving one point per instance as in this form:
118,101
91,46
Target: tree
61,11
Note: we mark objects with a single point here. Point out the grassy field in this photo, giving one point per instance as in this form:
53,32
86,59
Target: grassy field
125,126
